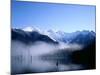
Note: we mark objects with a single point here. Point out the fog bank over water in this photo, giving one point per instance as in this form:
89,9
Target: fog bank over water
40,48
28,57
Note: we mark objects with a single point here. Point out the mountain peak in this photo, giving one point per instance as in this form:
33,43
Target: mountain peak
30,29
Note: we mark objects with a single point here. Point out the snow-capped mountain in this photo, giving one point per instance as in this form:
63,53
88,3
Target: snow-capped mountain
80,37
31,34
84,37
30,37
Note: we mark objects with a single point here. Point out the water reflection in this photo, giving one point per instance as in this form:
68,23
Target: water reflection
35,65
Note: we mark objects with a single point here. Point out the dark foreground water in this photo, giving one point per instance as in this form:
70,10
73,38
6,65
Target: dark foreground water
33,64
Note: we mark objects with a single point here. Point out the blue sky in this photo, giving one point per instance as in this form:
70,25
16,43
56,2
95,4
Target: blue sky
45,16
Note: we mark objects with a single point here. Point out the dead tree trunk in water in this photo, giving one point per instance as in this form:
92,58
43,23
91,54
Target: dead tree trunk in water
57,65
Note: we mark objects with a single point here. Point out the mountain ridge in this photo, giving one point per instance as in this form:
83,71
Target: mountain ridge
80,37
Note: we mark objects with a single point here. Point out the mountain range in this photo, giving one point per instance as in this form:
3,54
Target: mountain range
31,35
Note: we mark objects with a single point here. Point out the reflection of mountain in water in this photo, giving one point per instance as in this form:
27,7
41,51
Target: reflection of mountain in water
34,52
